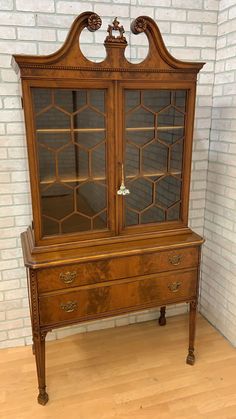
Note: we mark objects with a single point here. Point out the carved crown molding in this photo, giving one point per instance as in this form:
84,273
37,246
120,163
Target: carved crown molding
120,39
94,22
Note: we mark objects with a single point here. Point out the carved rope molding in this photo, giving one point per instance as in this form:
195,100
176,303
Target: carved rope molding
113,69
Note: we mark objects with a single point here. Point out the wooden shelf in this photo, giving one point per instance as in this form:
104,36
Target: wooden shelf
156,174
58,130
165,128
72,179
103,178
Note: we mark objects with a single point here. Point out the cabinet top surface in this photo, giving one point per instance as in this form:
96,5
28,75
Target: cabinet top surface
105,251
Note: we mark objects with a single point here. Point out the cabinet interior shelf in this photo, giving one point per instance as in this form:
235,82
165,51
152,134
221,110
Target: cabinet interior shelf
55,130
103,178
165,128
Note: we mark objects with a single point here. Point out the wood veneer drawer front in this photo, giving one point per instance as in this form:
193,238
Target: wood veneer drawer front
117,297
117,268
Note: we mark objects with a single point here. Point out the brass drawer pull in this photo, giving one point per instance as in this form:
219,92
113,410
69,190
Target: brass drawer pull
68,277
70,306
174,286
175,259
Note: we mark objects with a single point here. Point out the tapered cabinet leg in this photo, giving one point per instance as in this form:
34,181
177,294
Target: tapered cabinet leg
39,348
162,318
192,328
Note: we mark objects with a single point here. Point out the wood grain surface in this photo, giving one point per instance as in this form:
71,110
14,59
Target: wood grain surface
135,371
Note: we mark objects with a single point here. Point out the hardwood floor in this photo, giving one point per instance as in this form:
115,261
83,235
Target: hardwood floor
135,371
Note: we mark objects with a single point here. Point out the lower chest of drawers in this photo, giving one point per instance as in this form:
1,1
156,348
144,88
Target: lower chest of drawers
116,297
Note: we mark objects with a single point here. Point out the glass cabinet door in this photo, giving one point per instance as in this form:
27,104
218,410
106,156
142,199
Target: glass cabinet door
71,141
154,132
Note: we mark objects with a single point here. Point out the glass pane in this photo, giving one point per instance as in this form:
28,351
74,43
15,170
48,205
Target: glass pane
140,118
176,157
70,100
57,201
154,138
170,117
71,141
72,163
91,198
132,161
168,191
131,217
156,100
47,165
88,118
155,158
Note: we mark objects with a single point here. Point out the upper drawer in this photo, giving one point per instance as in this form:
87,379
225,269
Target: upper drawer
117,268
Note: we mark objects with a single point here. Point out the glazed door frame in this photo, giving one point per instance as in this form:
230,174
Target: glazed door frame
190,87
27,85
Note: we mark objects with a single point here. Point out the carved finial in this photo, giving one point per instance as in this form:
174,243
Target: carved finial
94,22
138,25
116,27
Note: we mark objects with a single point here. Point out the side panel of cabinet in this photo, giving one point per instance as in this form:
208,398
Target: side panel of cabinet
156,128
71,143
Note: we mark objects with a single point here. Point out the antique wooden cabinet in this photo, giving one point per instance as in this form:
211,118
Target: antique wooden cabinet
109,147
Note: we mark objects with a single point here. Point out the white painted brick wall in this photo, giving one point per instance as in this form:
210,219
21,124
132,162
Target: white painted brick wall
218,286
189,29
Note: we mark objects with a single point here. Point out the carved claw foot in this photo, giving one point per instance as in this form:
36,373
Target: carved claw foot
43,397
190,358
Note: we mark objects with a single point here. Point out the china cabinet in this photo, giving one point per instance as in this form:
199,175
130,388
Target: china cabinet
109,148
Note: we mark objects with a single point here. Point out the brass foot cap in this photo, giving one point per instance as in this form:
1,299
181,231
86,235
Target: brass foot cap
43,398
190,359
162,321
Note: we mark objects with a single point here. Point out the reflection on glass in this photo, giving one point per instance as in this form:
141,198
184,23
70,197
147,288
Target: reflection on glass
170,117
97,99
131,217
42,98
153,215
47,165
70,100
54,140
176,156
132,99
132,160
89,139
141,137
70,225
140,118
168,191
71,141
53,119
98,161
57,201
72,163
173,213
155,158
141,195
100,221
91,198
156,100
49,226
170,136
88,118
154,135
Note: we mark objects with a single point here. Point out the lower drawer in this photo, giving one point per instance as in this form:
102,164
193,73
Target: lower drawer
93,301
